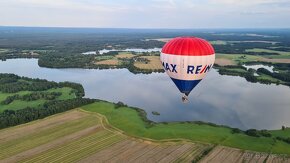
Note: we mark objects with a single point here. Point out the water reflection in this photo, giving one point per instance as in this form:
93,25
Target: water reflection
219,99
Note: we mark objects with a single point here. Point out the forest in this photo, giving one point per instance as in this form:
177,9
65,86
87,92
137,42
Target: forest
50,98
62,48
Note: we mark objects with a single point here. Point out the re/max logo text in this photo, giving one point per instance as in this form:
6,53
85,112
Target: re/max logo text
199,69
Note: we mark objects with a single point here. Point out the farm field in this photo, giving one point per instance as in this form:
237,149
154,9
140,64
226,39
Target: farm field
82,136
229,155
224,61
111,62
114,60
153,64
123,58
234,59
55,139
269,51
123,55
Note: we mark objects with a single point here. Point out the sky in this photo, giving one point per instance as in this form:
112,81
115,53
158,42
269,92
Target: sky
175,14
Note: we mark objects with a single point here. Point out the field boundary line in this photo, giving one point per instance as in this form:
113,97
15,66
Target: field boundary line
119,131
114,129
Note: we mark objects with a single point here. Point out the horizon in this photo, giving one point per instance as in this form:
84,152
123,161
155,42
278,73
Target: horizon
129,28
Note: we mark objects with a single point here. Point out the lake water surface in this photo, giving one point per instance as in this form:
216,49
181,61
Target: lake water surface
226,100
137,50
256,67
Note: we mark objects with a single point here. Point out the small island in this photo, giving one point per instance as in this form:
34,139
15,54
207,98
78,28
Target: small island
155,113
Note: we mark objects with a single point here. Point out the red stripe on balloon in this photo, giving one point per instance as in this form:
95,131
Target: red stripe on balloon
188,46
203,69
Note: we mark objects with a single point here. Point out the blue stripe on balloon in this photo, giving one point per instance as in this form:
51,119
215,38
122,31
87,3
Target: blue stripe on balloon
185,86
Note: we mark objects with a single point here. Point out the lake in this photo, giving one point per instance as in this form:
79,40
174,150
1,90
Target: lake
256,67
104,51
226,100
131,50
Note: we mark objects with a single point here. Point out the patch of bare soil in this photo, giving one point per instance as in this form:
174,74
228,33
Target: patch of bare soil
275,60
108,62
224,62
154,63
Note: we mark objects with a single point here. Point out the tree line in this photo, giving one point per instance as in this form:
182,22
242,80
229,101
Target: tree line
32,97
15,117
249,74
281,76
11,83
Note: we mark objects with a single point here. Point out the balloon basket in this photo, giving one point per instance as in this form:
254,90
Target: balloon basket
184,99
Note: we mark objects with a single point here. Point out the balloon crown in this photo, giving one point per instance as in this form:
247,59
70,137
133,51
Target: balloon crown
188,45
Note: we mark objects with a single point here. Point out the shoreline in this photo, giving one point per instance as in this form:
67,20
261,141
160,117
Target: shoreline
229,70
203,132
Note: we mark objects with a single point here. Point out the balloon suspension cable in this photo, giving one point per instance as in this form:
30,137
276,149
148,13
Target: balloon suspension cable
184,98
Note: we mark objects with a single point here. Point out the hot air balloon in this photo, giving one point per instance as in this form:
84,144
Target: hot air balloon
187,60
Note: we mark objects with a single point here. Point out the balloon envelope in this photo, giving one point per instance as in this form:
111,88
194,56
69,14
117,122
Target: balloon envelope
187,60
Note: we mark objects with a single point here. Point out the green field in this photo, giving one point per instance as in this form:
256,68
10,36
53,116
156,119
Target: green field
18,104
238,70
3,96
129,121
268,51
269,78
239,58
282,133
66,93
104,57
282,54
4,50
218,42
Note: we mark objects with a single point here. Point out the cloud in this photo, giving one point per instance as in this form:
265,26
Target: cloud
147,13
247,2
66,4
252,13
